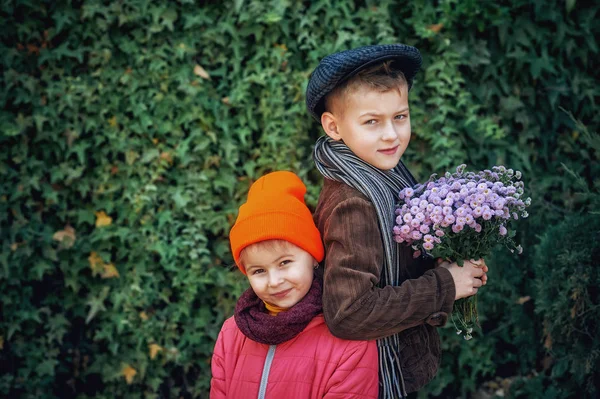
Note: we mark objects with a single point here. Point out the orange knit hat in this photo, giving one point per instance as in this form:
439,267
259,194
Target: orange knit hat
275,210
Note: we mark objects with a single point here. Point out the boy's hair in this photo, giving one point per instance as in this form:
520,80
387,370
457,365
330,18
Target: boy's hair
381,77
268,245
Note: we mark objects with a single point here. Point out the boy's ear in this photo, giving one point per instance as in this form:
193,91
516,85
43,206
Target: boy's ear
329,124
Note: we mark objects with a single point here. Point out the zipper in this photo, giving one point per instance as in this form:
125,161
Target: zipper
265,374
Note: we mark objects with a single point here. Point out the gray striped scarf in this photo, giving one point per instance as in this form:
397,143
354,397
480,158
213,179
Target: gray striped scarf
337,162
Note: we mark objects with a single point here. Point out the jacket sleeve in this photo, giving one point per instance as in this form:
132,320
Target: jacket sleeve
218,388
356,376
353,305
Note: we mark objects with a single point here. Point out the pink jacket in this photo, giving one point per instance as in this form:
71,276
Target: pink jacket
314,364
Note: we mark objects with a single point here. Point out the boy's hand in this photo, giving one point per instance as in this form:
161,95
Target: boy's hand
468,278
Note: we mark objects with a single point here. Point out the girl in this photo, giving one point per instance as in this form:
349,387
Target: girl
277,344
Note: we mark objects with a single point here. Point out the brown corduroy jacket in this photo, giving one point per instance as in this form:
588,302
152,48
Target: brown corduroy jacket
356,308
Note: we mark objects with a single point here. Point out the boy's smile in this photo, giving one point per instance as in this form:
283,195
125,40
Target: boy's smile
375,125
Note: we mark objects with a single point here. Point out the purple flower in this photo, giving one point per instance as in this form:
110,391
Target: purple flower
405,230
415,202
478,228
399,239
416,254
428,246
437,219
478,211
423,204
424,229
446,211
481,186
399,220
499,204
440,233
448,202
415,235
502,230
487,215
414,210
396,230
435,200
407,218
449,219
438,210
430,208
415,223
457,228
408,192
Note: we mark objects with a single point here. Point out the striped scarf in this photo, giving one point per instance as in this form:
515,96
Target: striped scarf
337,162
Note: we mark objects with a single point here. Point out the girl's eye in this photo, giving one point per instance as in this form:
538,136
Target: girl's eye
258,271
285,262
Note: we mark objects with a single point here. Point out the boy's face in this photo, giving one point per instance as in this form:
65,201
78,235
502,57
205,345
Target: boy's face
374,125
279,274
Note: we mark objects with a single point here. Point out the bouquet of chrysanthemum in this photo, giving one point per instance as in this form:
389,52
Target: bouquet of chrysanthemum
462,215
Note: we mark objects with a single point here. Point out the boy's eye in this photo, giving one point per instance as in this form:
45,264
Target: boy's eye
370,122
401,116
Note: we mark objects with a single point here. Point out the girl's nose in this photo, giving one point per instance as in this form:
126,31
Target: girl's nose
275,279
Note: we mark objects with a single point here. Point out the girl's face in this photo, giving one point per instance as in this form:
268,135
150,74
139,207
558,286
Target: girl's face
280,273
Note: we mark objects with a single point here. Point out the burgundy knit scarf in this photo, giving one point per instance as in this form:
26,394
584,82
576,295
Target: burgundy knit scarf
255,323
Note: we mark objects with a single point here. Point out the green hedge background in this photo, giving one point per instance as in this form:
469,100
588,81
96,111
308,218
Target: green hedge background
132,129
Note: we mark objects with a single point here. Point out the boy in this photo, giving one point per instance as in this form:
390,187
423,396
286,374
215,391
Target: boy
277,344
373,288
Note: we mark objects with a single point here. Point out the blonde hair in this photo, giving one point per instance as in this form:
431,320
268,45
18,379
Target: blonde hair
381,77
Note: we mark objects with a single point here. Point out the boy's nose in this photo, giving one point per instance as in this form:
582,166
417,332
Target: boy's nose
389,132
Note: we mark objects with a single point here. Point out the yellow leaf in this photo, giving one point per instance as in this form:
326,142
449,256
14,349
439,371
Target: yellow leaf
435,28
65,237
102,219
113,121
128,372
523,299
198,70
143,316
154,349
96,262
167,157
155,141
110,271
